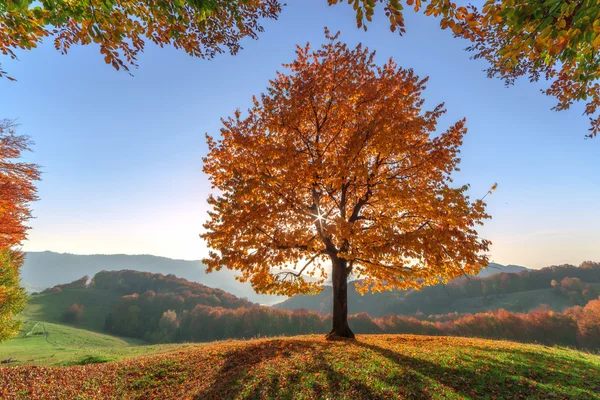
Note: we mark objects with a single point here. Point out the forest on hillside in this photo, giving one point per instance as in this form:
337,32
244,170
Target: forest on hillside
469,294
163,308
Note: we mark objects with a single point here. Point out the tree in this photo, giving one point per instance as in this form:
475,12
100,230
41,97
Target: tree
202,28
12,296
17,187
73,314
336,163
17,190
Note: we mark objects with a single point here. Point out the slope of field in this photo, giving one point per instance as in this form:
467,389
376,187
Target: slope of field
43,343
308,367
49,307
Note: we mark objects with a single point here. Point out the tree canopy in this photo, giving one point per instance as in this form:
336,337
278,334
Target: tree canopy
202,28
17,187
556,40
338,164
17,191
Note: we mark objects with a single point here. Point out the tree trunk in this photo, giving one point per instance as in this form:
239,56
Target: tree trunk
339,277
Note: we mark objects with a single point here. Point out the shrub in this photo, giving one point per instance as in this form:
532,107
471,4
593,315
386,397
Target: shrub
90,359
588,323
73,314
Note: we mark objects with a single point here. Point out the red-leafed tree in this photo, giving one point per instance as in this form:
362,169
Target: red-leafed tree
17,191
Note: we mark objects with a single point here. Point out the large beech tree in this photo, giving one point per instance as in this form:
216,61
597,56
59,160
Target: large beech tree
337,165
17,191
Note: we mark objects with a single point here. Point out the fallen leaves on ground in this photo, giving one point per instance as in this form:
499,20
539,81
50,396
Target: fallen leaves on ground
308,367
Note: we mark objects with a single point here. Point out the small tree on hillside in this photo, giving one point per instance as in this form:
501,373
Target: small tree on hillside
80,283
336,164
73,314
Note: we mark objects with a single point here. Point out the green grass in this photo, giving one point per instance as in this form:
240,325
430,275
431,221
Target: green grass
308,367
80,344
49,307
95,365
44,343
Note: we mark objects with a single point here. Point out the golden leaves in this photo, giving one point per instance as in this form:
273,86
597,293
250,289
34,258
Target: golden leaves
17,188
556,41
375,366
17,191
336,161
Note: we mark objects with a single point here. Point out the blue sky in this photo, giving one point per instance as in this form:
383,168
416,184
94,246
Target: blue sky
121,155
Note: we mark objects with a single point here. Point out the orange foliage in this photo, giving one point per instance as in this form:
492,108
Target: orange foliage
374,367
73,314
17,188
588,321
337,163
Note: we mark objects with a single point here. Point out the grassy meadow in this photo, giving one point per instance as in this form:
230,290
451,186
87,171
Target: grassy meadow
58,361
308,367
49,307
43,343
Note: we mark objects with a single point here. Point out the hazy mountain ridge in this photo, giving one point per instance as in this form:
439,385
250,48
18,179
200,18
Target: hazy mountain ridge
495,268
46,269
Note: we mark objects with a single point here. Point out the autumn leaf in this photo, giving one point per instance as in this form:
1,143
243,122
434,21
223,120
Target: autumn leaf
17,191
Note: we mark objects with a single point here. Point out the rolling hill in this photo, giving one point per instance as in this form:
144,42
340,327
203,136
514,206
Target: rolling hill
44,343
308,367
49,307
47,269
126,295
511,288
108,289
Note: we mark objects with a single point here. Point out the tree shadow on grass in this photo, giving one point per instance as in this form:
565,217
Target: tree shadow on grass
233,375
550,368
286,369
235,380
502,379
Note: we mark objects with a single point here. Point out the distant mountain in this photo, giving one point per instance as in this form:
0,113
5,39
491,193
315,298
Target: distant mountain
47,269
494,268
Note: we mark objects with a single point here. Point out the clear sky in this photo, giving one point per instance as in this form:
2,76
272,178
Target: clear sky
121,155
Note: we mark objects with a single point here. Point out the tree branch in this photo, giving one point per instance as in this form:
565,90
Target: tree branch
297,274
